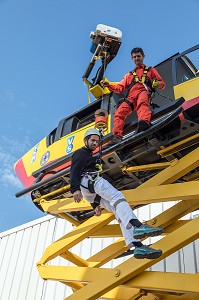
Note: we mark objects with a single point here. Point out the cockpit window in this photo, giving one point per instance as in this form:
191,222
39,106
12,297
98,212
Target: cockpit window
80,119
51,138
194,58
187,66
86,120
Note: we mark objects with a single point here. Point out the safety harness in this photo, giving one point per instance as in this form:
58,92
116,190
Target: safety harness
93,176
144,80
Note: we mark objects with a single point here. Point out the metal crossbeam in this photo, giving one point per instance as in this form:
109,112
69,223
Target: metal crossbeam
101,284
129,280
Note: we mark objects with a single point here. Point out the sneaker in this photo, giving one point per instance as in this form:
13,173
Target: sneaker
146,252
146,230
142,126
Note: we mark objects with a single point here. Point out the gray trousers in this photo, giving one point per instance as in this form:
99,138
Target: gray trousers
113,201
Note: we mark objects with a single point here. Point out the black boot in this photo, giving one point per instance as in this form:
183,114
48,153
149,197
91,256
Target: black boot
142,126
115,140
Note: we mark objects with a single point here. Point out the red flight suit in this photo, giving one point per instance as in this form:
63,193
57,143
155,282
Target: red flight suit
138,96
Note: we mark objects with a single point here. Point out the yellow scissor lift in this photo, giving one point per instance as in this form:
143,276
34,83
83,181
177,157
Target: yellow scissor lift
130,280
176,178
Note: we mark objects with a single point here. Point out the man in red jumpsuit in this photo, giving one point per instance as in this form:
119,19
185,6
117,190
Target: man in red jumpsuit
140,84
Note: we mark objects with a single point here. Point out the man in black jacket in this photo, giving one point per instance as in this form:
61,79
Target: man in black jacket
85,181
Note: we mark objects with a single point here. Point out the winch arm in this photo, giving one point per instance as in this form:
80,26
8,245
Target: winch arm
106,41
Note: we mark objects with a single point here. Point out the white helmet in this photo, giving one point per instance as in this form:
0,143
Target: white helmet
91,131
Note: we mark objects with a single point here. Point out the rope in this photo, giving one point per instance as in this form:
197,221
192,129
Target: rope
99,161
89,94
103,75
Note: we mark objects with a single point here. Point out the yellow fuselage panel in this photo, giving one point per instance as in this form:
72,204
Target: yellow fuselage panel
40,154
188,89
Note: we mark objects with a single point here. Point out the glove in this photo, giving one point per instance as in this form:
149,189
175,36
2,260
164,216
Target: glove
104,83
155,84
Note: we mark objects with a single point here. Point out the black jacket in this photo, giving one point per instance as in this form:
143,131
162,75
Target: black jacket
82,162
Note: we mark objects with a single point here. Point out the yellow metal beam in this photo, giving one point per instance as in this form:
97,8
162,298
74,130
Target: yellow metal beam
172,192
139,295
75,259
121,293
74,274
169,282
75,236
168,175
69,219
55,193
127,270
169,192
73,285
119,247
192,140
172,173
112,230
157,189
165,219
174,213
115,231
64,205
157,283
155,166
175,226
108,253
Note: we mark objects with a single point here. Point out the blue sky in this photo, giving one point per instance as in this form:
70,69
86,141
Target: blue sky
44,51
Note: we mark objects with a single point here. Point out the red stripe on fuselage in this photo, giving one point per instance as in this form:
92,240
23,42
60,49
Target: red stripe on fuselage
28,181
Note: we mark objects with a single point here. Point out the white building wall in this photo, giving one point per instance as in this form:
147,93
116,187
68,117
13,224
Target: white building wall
22,247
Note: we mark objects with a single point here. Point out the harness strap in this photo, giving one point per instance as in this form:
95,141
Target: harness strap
97,199
129,103
143,78
91,186
92,190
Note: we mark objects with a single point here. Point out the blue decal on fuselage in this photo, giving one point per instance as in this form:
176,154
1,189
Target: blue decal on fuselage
34,154
69,147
